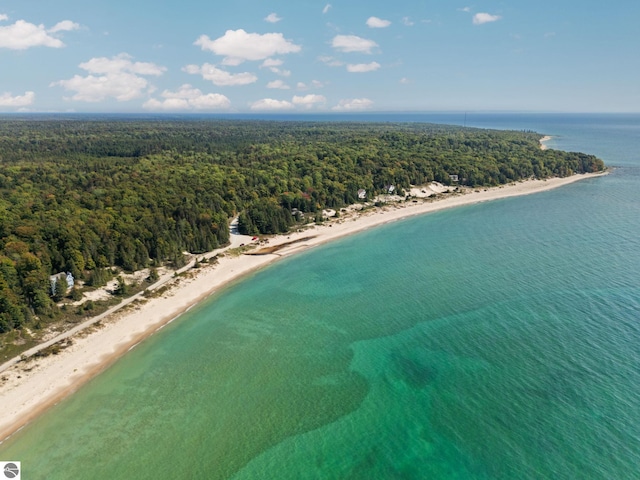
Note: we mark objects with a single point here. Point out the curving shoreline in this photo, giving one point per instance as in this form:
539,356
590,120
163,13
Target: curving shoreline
45,381
543,142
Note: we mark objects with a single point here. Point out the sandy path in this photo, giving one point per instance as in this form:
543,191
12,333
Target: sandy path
28,388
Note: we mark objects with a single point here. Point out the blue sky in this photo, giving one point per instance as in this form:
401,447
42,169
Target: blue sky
319,56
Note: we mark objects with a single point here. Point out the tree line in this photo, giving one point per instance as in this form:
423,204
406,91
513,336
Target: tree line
80,195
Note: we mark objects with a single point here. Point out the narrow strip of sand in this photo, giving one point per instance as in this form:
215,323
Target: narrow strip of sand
543,142
29,388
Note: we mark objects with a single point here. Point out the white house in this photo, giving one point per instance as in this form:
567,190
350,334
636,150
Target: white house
362,194
53,279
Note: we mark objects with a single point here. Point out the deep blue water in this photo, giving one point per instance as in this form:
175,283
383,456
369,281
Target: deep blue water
493,341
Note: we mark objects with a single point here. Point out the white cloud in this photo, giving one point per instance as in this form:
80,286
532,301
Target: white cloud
375,22
272,18
407,21
119,63
220,77
22,35
405,81
363,67
352,43
121,86
271,104
117,77
326,8
353,104
330,61
168,104
3,17
314,84
64,26
464,9
309,101
6,100
480,18
238,46
278,84
188,98
271,62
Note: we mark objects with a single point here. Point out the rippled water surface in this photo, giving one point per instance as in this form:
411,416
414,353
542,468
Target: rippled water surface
495,341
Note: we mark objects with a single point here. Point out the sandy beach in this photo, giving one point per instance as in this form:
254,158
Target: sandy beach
543,140
29,388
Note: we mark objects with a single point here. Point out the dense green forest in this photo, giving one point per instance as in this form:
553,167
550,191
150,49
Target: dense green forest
80,195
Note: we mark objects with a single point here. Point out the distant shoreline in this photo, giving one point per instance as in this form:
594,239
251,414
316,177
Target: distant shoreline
28,389
543,142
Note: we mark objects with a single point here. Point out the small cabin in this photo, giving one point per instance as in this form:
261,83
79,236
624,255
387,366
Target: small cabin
362,194
453,178
389,189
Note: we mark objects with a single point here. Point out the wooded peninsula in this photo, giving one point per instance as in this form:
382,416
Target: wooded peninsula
86,196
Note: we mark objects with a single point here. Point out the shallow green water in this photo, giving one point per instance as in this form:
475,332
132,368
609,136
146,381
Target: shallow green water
491,341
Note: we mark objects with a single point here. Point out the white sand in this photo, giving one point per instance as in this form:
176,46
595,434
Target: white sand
28,388
543,140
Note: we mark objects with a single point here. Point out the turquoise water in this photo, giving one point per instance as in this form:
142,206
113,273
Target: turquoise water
494,341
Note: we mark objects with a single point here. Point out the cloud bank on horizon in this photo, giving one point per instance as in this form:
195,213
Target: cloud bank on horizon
317,57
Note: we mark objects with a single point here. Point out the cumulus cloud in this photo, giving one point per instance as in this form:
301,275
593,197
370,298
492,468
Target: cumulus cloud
375,22
353,104
22,35
6,100
120,63
308,101
64,26
272,18
480,18
352,43
314,84
3,17
220,77
271,104
278,84
271,62
363,67
326,8
116,77
188,98
238,46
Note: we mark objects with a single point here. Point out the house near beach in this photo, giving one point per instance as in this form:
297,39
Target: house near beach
362,194
53,279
